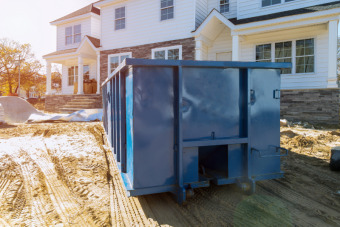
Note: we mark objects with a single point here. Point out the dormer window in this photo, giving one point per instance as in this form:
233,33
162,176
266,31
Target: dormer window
77,33
167,9
120,18
224,6
73,34
270,2
68,33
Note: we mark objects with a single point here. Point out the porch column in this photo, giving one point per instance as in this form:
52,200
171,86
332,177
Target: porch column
80,75
332,53
48,78
199,49
236,48
98,72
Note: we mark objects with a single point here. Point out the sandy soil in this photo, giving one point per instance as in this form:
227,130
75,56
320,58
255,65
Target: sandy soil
62,174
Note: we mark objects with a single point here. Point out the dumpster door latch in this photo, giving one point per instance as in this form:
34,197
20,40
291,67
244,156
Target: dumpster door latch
277,94
252,96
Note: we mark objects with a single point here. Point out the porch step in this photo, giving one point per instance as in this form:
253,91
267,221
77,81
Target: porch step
81,102
70,110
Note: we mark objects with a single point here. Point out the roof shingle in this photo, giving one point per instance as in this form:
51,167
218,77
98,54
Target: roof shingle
310,9
87,9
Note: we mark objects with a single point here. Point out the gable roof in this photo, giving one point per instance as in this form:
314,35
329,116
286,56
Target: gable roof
87,9
61,52
310,9
94,41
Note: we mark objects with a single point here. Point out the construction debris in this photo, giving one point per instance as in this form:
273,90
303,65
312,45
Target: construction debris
17,110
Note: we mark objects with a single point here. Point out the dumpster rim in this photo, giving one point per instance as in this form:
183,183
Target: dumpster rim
194,63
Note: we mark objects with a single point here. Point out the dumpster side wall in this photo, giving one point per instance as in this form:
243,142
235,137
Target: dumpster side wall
153,127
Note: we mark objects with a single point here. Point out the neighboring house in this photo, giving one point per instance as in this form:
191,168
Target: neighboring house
303,32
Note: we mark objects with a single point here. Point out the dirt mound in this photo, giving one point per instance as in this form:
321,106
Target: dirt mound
289,133
335,133
62,175
53,174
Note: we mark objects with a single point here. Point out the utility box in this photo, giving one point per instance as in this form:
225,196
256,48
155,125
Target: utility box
174,126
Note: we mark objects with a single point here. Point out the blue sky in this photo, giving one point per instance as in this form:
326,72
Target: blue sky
27,21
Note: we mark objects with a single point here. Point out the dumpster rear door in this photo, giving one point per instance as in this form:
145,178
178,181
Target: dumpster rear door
265,122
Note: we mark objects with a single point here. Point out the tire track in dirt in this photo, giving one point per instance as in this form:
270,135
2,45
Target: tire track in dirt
127,211
65,204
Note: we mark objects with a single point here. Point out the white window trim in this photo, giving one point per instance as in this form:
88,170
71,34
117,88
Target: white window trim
160,11
74,33
74,76
179,47
66,36
115,55
225,4
293,54
114,18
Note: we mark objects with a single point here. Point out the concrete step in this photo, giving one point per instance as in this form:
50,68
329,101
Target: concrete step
82,102
88,97
70,110
91,106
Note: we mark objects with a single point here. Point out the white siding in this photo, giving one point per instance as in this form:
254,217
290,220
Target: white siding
215,4
93,71
252,8
222,44
297,81
143,23
85,30
201,11
95,27
65,88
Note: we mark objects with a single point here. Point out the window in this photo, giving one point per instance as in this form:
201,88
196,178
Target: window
77,33
168,53
120,18
72,75
305,56
224,6
270,2
116,59
73,34
263,53
167,9
68,34
301,53
289,0
86,72
283,53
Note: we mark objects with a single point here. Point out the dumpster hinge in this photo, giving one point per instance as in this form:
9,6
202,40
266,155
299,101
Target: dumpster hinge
277,94
278,152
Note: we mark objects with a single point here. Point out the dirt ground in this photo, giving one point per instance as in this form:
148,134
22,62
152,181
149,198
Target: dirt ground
61,174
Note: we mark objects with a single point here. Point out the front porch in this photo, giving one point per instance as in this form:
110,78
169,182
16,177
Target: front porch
80,68
309,90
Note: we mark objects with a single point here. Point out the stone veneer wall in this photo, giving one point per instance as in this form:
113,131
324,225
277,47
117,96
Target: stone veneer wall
317,106
53,103
144,51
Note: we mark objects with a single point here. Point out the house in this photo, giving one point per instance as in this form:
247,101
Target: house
304,32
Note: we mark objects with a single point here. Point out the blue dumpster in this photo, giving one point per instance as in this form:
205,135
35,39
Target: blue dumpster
174,126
